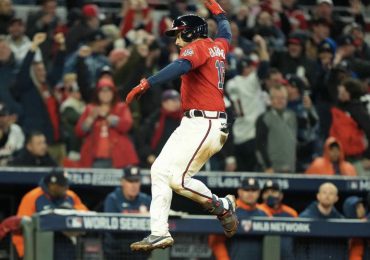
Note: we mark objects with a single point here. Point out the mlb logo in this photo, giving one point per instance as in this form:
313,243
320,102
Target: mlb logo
74,222
188,52
247,225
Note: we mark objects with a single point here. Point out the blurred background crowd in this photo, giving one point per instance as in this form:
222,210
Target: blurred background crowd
295,77
296,84
296,92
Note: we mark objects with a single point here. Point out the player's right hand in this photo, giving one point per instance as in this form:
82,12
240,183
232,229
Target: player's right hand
137,91
213,7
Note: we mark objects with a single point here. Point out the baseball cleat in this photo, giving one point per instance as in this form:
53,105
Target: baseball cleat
229,220
152,242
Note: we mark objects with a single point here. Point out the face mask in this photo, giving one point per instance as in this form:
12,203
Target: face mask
272,201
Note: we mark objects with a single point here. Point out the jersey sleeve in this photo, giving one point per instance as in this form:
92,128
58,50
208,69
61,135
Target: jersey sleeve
193,53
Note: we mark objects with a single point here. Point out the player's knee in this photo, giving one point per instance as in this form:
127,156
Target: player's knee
158,173
179,184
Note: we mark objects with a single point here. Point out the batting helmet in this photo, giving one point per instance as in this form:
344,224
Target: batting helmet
191,27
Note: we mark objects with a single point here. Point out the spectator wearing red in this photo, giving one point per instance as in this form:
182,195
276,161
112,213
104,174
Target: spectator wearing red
85,25
332,162
351,124
138,14
104,125
296,16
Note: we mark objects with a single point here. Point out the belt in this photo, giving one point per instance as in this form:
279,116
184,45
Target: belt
205,114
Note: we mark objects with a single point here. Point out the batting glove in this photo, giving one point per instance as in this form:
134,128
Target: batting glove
214,7
137,91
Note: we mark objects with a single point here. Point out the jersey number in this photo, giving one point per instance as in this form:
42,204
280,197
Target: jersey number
220,66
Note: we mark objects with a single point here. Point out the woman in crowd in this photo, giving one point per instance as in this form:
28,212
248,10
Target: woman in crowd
104,125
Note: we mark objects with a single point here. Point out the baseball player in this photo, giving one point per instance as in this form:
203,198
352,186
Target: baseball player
202,131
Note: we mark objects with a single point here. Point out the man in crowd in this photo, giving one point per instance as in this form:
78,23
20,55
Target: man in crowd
276,135
52,193
322,209
125,199
35,153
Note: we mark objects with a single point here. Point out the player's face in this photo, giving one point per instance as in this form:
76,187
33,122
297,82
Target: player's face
327,196
249,197
180,42
57,191
130,188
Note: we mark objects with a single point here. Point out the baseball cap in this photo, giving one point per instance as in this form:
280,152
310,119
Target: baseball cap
57,176
329,2
131,173
96,35
295,81
105,83
170,94
105,70
250,184
4,110
90,10
327,45
270,184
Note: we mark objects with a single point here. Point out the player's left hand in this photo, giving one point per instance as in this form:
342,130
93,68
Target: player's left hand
213,7
137,91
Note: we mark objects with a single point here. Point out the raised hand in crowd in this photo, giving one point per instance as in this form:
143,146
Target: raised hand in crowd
38,39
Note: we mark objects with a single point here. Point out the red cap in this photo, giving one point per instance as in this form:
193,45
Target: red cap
105,82
283,82
90,10
294,41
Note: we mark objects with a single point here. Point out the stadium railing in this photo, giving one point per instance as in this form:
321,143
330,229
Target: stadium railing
40,232
222,180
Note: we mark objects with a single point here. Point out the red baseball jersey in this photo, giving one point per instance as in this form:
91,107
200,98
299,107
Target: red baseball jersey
203,86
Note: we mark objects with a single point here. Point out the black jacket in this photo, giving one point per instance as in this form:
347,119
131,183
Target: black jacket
25,158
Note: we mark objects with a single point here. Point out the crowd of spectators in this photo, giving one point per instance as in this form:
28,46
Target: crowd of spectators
294,79
297,98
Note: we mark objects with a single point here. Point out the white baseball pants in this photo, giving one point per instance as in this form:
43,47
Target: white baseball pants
186,151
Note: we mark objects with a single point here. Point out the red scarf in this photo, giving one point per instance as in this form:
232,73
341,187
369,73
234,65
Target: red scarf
158,131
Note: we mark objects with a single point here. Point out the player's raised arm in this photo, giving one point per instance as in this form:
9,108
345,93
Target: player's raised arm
224,30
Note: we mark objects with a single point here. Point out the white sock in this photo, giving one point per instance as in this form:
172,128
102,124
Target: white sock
225,203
